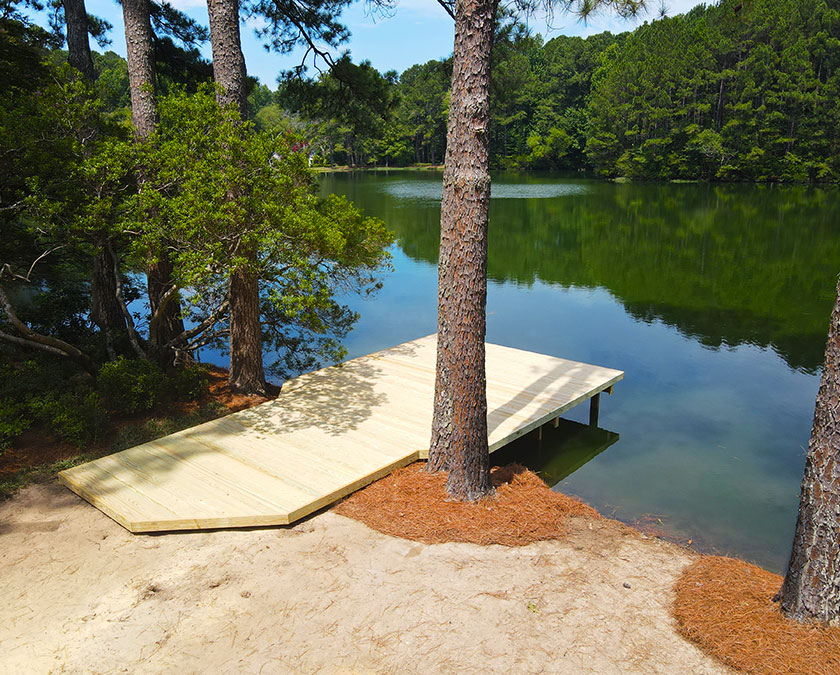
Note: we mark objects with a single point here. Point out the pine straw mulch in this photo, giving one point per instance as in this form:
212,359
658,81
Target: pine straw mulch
412,503
725,606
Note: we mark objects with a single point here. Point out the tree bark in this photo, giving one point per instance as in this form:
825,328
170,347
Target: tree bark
811,589
170,324
459,426
140,54
228,61
246,368
246,372
78,46
106,310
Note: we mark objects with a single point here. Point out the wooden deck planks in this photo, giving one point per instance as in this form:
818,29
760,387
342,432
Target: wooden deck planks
330,432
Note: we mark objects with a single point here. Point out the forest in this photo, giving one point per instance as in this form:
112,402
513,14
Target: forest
736,91
144,217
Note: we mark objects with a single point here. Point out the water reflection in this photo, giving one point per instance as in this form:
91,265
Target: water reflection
713,299
431,190
726,265
560,452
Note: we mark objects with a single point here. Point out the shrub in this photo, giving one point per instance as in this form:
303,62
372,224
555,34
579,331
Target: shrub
191,381
157,427
129,386
76,417
14,420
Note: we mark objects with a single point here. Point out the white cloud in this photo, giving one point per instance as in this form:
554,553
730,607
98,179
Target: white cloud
186,5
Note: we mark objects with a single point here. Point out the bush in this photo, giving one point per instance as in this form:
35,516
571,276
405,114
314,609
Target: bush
191,381
76,417
129,386
14,420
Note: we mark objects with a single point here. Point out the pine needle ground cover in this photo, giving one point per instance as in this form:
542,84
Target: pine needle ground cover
413,504
725,606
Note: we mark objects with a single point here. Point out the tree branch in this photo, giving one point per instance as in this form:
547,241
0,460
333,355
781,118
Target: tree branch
188,335
129,320
43,342
447,8
156,317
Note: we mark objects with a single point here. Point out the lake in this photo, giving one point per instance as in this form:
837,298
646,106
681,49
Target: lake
714,299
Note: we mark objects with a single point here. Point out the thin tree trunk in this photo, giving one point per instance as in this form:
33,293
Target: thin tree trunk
170,324
459,426
78,46
140,54
811,588
246,369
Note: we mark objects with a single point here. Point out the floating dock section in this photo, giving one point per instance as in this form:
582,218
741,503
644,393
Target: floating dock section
327,434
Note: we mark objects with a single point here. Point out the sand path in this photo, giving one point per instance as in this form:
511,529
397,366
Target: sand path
79,594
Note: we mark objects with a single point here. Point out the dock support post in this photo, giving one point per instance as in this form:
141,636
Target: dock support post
539,433
594,407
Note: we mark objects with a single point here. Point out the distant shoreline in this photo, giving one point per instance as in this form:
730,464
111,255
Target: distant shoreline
349,169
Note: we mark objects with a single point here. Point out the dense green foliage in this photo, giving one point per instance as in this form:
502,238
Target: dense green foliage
131,385
216,188
217,194
738,91
76,409
733,91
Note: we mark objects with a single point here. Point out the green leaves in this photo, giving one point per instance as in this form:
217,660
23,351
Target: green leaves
737,91
220,195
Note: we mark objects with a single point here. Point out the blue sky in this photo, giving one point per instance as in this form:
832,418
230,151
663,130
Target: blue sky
416,31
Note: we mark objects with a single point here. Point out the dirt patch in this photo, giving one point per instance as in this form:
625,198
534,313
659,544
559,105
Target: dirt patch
329,595
725,606
412,503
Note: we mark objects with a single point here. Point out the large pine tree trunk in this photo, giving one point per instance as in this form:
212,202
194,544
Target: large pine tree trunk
246,374
140,54
246,369
811,589
78,46
228,61
459,427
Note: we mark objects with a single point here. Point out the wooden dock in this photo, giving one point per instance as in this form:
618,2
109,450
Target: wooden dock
327,434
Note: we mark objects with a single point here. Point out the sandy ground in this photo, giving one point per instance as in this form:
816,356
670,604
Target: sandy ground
79,594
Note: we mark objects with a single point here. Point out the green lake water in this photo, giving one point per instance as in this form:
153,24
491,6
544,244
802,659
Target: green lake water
713,299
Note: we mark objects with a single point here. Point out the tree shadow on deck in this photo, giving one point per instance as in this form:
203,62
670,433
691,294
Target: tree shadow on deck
331,402
547,383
